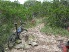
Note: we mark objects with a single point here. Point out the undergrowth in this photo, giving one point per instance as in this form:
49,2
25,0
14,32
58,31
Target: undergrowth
55,30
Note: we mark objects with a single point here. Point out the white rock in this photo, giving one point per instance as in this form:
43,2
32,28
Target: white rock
34,44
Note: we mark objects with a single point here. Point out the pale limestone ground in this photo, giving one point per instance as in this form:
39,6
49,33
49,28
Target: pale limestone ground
46,43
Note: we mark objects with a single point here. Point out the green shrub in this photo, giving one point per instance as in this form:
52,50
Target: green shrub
55,31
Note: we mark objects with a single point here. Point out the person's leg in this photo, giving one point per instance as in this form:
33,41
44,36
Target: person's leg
18,35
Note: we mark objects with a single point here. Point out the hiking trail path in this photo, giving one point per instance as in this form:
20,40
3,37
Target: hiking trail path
46,43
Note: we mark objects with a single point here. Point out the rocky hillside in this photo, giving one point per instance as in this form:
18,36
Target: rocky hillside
40,42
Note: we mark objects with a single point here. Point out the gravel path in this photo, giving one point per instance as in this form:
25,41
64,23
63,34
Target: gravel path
46,43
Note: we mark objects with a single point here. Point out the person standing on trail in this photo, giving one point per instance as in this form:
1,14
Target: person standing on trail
19,30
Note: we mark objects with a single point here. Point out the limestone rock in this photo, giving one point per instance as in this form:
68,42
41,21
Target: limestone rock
19,46
19,41
33,44
26,46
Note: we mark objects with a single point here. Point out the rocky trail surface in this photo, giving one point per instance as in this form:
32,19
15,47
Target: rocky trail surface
46,43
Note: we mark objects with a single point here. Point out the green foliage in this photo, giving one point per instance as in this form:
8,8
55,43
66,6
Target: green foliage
55,31
46,9
58,15
10,12
34,7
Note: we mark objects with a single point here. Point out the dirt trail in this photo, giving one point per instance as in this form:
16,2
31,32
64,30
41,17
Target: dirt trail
46,43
